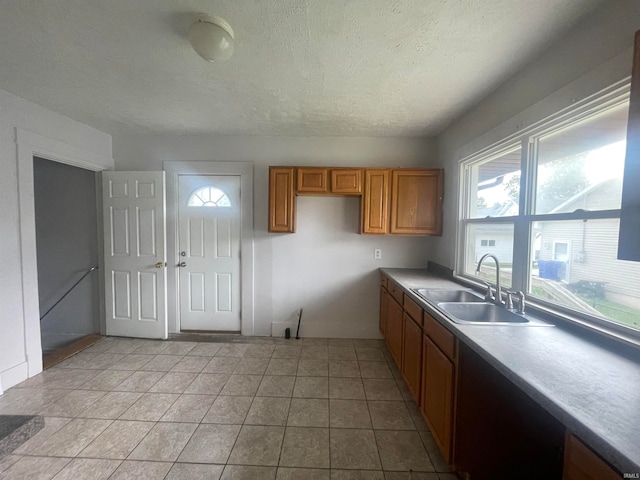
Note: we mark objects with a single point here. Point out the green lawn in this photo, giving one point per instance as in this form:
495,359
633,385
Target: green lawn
618,313
610,310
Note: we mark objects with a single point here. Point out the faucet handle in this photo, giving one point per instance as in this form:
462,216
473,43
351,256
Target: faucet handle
489,295
521,300
509,302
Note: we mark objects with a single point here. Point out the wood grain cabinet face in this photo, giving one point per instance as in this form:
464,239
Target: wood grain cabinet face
416,202
375,201
384,300
412,356
394,329
282,205
438,376
346,181
580,463
312,180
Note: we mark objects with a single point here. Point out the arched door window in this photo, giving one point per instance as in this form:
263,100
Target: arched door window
208,197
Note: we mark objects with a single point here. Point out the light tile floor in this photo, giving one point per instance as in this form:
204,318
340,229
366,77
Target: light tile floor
237,408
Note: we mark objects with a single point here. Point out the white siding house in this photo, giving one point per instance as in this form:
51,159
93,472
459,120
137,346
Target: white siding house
588,249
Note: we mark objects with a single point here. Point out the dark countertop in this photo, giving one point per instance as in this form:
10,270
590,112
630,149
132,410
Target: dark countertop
593,389
17,429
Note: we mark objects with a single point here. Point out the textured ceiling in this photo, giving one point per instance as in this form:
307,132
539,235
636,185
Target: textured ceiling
300,68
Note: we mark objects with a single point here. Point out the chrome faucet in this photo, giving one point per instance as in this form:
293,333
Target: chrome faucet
498,298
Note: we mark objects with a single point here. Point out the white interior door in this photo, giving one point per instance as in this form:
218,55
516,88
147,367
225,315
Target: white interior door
209,219
134,251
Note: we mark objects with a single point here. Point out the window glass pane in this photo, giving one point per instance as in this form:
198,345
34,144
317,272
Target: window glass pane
574,264
500,245
208,197
495,186
581,166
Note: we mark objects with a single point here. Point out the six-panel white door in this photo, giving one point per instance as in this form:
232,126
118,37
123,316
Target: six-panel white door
134,254
209,219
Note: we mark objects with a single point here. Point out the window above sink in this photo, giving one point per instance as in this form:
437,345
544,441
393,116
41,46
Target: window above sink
546,202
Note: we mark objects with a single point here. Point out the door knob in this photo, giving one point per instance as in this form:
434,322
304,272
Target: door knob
182,264
159,264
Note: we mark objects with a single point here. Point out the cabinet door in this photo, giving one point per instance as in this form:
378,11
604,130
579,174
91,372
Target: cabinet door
437,395
580,463
282,206
412,356
384,299
416,202
375,201
346,181
394,330
312,180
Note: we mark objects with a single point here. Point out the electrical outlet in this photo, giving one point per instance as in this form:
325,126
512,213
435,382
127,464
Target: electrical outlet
377,254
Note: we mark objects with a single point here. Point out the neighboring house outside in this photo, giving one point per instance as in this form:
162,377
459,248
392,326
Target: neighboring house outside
497,238
588,249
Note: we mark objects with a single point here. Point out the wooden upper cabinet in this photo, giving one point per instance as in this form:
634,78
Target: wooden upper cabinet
375,201
397,202
282,201
313,180
346,181
416,202
580,463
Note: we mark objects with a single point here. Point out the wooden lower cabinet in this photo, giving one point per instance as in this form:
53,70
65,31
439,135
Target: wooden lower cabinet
580,463
438,379
412,356
384,300
394,329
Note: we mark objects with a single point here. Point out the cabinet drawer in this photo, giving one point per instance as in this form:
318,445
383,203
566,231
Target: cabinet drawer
312,180
395,291
383,280
440,336
346,180
413,309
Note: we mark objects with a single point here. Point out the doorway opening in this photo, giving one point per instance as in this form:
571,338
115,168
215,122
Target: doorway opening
67,255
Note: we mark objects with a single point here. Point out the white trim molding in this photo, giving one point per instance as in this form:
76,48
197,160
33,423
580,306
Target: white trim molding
245,170
28,145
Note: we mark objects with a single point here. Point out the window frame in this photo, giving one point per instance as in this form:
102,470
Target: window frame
527,139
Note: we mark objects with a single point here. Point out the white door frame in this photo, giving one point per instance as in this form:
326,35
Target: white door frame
31,145
245,171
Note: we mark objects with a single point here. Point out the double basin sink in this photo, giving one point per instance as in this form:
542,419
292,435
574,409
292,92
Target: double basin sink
468,307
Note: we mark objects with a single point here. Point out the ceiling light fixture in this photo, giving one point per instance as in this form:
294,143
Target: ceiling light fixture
212,39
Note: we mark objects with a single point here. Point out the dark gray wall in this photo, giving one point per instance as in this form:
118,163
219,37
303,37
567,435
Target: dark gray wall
66,236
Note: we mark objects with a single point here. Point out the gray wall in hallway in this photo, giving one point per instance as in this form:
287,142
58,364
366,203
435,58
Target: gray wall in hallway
66,235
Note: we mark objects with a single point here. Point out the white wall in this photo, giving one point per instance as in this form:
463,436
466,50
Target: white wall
590,57
19,327
326,267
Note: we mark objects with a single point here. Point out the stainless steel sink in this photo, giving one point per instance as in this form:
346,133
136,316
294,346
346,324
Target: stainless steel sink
439,296
482,314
